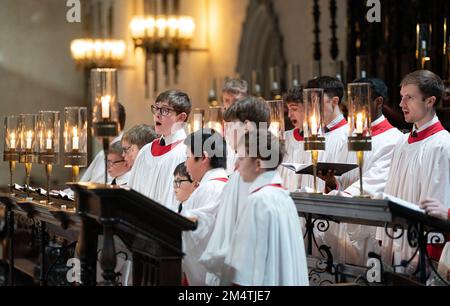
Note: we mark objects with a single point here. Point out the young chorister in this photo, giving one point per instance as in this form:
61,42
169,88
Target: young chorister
206,164
240,117
267,247
152,172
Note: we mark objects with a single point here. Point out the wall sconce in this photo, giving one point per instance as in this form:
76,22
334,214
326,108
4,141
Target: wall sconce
162,34
98,53
75,139
359,120
423,45
49,125
313,126
11,145
274,74
277,118
256,84
294,75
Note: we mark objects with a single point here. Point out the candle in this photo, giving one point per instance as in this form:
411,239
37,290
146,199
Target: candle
48,145
29,140
313,125
275,128
75,139
198,120
359,123
106,100
12,140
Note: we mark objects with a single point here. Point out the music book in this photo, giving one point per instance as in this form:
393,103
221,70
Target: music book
324,167
401,202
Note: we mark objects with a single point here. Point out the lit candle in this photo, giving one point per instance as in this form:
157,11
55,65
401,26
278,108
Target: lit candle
198,120
12,140
359,123
313,125
275,128
75,139
48,145
29,140
106,100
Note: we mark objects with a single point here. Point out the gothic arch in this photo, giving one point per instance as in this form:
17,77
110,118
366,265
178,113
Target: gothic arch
261,45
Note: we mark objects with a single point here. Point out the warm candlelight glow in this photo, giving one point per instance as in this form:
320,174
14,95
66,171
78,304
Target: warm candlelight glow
359,123
198,122
314,125
217,126
275,128
48,145
29,140
12,140
75,139
106,100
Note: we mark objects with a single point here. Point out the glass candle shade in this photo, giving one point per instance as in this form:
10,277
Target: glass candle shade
277,118
313,121
196,121
28,138
105,109
75,136
11,144
214,119
359,116
49,126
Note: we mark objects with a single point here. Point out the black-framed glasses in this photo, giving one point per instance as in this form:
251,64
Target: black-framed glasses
177,183
111,163
163,111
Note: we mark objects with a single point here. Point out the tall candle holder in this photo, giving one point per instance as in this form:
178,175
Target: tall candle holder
277,118
214,119
359,120
11,145
28,145
49,126
313,126
105,108
75,139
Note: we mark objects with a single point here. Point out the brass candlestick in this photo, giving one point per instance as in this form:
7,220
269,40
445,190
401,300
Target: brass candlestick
48,173
315,144
75,173
28,168
12,167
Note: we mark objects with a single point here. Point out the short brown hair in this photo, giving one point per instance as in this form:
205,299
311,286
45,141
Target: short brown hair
264,145
294,95
250,109
115,148
179,100
236,87
140,135
429,83
332,87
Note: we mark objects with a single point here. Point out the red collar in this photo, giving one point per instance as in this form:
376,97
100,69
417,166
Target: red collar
382,127
298,136
221,179
428,132
159,150
270,185
337,126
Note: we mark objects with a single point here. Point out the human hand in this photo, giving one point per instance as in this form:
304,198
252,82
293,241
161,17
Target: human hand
435,209
330,180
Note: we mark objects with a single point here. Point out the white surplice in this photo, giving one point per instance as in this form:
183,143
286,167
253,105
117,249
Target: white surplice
95,173
232,202
361,239
152,172
123,179
202,204
295,153
267,248
232,158
420,169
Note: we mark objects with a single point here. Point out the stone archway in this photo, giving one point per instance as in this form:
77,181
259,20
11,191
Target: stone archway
261,45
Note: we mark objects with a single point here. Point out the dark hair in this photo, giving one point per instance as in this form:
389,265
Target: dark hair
122,116
429,83
294,95
332,87
379,88
115,148
236,87
140,135
181,170
210,141
252,109
179,100
257,141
